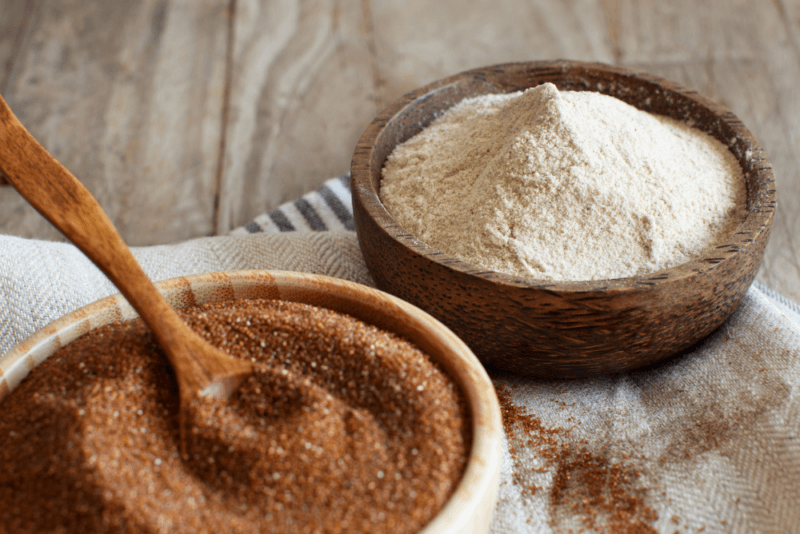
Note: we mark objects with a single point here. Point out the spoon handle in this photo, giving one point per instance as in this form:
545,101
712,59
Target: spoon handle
55,193
69,206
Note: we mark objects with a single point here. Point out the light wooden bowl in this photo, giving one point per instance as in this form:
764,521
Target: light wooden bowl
563,329
471,507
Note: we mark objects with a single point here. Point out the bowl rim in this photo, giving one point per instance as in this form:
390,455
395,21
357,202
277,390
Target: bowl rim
755,227
466,507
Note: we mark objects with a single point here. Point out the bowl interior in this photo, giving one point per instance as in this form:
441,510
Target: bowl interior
473,501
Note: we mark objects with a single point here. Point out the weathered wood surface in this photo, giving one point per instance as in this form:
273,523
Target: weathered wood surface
189,117
14,20
301,93
128,95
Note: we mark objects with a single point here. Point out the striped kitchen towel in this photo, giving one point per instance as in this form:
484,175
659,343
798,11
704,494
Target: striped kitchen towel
328,208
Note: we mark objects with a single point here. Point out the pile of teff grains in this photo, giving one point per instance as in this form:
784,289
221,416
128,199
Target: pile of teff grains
344,428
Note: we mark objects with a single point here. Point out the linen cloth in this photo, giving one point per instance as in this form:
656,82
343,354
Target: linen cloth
706,442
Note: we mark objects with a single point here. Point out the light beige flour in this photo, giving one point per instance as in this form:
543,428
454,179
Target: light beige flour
564,186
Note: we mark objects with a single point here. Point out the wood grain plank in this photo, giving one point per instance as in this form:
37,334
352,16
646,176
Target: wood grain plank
419,42
789,11
128,96
683,30
14,24
301,94
742,54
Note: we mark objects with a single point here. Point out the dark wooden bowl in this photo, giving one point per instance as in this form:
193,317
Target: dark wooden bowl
563,329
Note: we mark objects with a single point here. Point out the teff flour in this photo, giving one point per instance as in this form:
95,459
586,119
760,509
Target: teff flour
564,186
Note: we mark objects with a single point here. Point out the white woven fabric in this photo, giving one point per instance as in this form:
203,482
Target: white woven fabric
714,435
41,281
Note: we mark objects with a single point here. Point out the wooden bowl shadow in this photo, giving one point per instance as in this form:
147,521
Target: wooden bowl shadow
563,329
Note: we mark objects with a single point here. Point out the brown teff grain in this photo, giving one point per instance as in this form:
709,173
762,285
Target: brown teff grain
604,496
344,428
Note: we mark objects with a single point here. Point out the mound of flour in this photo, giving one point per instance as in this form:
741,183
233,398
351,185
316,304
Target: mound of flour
564,186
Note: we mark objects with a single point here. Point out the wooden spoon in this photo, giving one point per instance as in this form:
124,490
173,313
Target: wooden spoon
200,368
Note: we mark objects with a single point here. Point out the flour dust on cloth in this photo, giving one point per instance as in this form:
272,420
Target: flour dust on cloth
708,441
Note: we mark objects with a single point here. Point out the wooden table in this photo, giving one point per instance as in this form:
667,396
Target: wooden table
189,117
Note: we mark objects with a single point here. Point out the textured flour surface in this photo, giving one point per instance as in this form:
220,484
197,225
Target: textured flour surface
564,186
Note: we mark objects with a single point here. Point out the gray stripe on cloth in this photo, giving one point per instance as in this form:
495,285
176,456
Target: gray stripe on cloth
328,208
344,215
310,215
281,221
